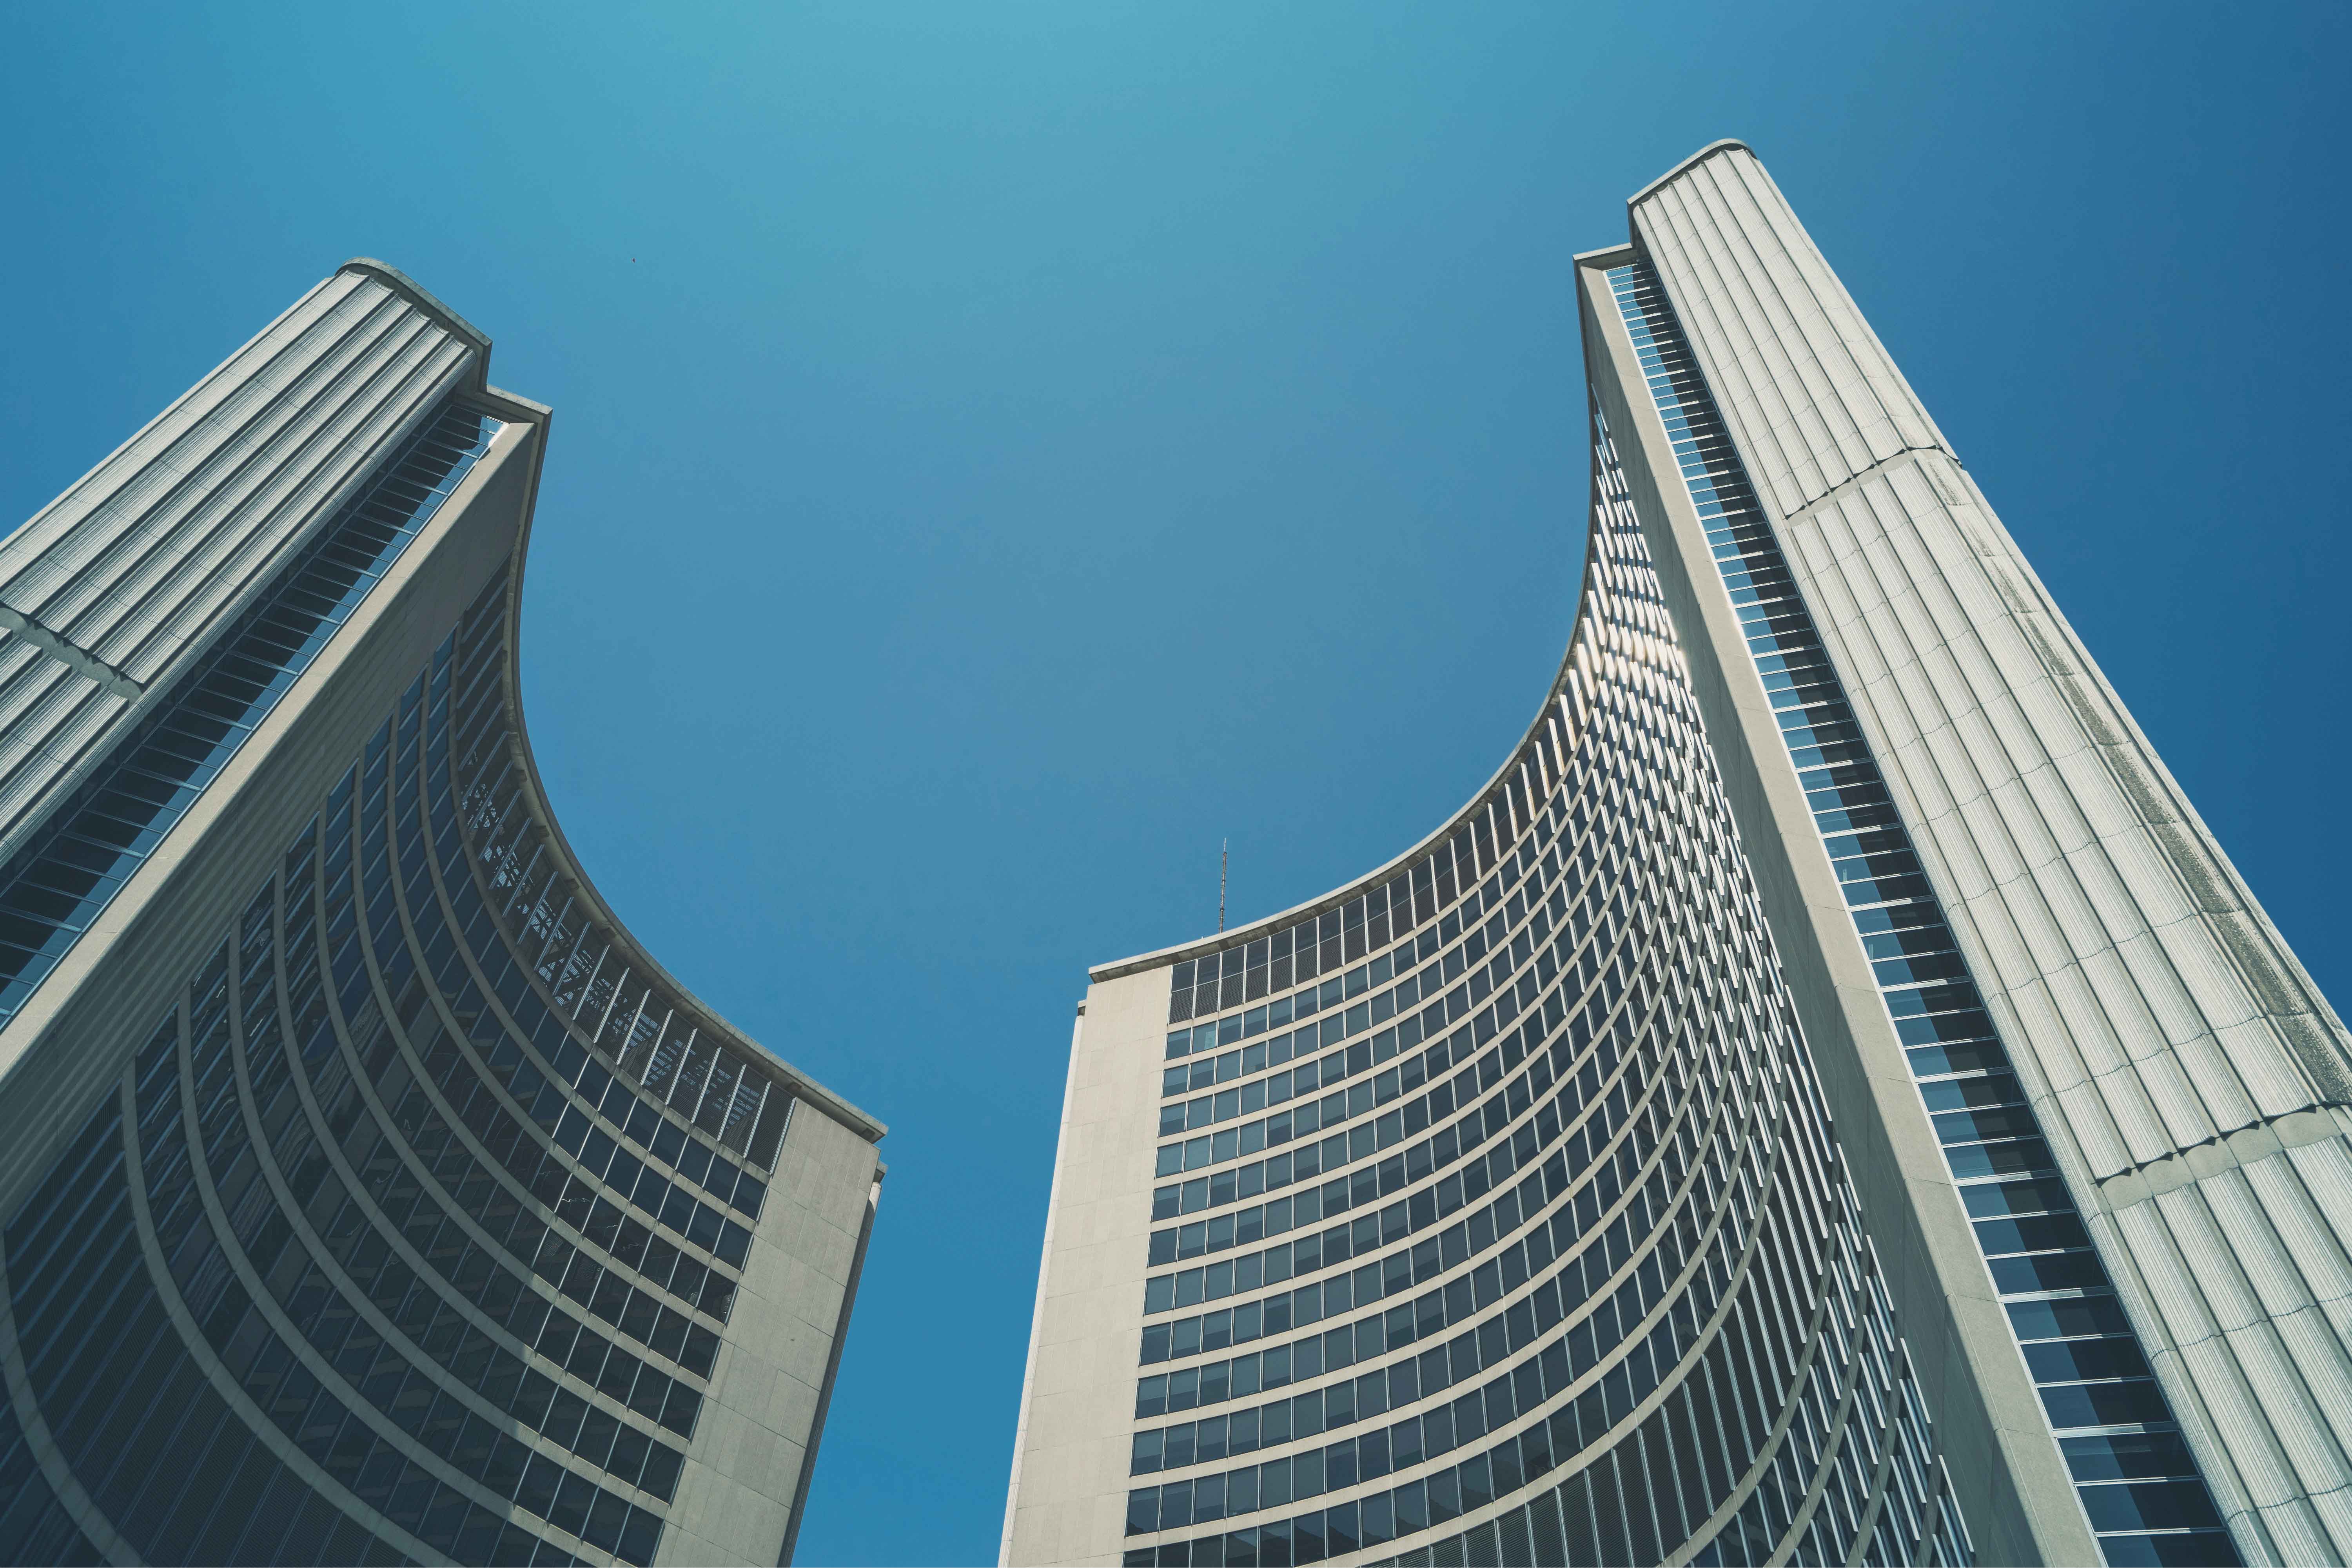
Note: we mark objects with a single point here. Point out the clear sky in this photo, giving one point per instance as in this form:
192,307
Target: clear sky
1002,451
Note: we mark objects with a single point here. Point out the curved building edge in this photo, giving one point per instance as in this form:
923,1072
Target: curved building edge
2093,1104
2188,1077
260,1110
1721,144
432,305
1620,646
1240,935
706,1017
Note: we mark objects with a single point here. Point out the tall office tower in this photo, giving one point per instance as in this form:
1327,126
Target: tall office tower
369,1195
1826,1098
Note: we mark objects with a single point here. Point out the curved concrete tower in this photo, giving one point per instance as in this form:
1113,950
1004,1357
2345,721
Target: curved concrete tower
1827,1099
369,1194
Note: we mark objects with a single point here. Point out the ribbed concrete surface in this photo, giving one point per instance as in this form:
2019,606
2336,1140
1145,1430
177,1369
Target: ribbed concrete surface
2187,1070
106,591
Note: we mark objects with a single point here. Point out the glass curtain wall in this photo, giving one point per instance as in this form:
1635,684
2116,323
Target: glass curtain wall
2133,1471
380,1251
1534,1246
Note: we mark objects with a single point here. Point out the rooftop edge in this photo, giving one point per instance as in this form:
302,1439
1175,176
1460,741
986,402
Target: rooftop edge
1725,145
424,300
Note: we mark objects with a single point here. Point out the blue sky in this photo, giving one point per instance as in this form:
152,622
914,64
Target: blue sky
1000,452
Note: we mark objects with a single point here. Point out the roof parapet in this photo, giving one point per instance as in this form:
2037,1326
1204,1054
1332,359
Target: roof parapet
416,294
1701,156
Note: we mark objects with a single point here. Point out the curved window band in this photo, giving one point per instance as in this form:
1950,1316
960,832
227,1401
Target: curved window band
1824,1467
412,1233
402,1003
1565,941
33,1515
52,890
1321,944
297,1286
1536,861
1687,1171
1574,1108
502,1120
2137,1481
221,1197
216,1226
1339,1462
561,982
1584,1212
365,1066
1631,1286
1424,964
1389,1277
557,1048
466,1344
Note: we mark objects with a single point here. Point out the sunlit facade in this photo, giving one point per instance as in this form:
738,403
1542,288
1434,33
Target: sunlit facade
1825,1099
369,1195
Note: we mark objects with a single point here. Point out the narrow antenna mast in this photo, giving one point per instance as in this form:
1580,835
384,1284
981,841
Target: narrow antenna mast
1224,849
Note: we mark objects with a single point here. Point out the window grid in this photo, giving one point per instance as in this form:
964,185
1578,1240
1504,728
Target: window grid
1737,1321
588,995
386,1331
1611,964
56,887
219,1223
2138,1483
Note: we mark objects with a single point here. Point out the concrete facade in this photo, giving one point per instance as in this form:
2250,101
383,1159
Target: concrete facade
2026,981
2188,1073
1078,1406
2011,1484
1636,969
619,1342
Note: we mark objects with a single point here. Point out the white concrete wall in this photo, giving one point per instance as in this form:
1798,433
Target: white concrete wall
126,577
2185,1069
747,1466
1069,1496
2006,1473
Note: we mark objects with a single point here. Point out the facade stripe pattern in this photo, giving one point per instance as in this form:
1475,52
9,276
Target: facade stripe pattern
367,1193
64,876
2191,1080
1420,1157
399,1260
2138,1482
109,593
1629,1252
